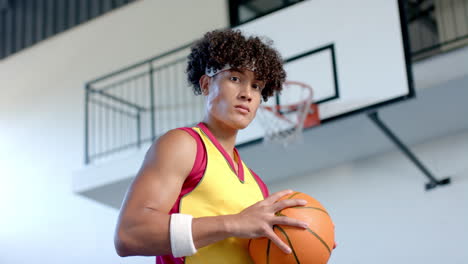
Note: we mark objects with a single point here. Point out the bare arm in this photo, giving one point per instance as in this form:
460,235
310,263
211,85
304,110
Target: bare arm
143,225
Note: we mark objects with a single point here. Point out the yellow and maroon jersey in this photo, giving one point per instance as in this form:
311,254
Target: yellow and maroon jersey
214,188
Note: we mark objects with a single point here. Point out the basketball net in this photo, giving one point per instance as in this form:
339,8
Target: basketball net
284,122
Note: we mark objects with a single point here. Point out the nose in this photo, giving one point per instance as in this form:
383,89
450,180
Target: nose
245,93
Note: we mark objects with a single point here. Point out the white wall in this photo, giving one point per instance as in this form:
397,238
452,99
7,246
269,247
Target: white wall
382,213
41,127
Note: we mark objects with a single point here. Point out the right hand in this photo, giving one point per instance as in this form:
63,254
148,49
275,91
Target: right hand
258,220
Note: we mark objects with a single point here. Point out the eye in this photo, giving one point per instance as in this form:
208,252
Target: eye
257,86
235,79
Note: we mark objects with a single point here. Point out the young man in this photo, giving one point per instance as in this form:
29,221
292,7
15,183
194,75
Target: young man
194,200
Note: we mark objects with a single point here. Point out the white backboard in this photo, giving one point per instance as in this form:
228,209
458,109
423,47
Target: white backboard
353,54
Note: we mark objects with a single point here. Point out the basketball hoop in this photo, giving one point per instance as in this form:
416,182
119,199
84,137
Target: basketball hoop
285,119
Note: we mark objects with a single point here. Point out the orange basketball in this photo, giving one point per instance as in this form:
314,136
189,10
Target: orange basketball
311,246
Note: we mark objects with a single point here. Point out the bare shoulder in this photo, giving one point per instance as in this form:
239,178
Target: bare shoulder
167,164
175,143
177,138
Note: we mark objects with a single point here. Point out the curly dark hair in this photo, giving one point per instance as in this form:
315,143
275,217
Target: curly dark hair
220,47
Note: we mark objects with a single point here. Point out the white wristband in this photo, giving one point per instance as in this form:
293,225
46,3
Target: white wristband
180,231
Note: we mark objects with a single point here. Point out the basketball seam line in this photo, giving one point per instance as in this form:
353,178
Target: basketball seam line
289,242
312,232
294,194
320,239
268,252
308,229
308,207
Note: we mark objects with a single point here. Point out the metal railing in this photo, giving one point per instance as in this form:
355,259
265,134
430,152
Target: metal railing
133,106
436,26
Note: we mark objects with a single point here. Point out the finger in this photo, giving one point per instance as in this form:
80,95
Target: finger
278,242
284,220
288,203
277,195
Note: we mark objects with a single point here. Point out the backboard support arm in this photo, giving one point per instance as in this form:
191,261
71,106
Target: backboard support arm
433,182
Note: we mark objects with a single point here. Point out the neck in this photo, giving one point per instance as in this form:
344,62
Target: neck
225,135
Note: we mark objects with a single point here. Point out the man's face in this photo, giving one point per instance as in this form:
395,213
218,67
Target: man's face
233,97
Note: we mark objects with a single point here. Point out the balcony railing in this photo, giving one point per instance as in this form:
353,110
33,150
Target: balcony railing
133,106
436,26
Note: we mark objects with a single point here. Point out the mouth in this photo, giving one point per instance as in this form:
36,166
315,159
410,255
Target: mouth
242,108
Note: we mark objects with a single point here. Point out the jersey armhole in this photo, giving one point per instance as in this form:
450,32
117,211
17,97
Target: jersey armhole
200,150
261,184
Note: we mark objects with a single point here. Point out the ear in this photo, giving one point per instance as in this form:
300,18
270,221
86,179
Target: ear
204,83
